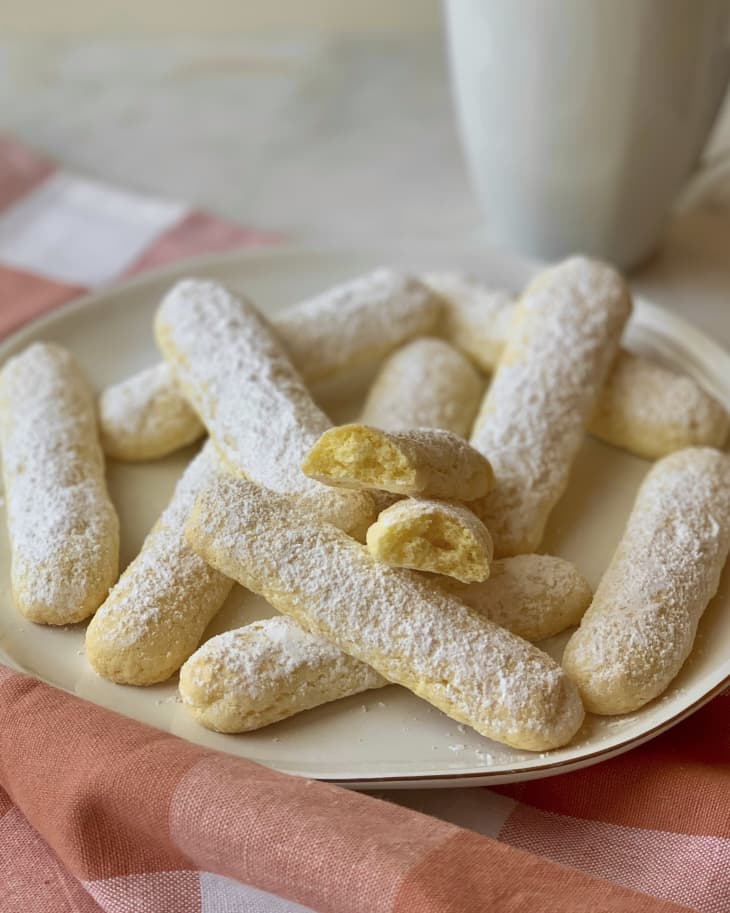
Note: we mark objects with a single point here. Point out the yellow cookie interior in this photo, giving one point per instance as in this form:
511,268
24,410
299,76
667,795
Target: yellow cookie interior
357,456
433,541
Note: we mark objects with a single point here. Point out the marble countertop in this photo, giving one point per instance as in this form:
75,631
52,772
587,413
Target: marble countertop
320,137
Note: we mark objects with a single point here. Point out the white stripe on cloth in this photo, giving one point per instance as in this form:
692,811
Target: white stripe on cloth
223,895
147,892
689,869
185,892
80,231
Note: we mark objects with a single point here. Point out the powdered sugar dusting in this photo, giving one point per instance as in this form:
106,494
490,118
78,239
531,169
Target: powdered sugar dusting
356,322
276,649
533,418
446,465
259,414
64,531
168,594
654,411
142,415
271,669
641,625
147,415
268,670
476,319
409,632
534,596
425,384
643,407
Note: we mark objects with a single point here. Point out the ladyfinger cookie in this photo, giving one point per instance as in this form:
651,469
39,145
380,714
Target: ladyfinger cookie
652,411
441,537
644,408
266,671
147,416
260,416
154,617
356,323
475,318
409,632
534,596
425,462
64,531
425,384
269,670
641,625
533,419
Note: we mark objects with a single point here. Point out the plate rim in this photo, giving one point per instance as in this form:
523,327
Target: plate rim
647,315
537,771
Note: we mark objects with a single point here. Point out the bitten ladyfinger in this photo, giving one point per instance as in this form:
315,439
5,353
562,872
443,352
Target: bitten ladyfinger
441,537
425,462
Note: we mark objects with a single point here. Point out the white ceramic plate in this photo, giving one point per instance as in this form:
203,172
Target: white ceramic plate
386,737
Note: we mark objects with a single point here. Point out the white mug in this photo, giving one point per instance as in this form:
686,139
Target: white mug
582,119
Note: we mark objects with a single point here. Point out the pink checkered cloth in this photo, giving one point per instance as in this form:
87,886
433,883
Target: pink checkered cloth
98,812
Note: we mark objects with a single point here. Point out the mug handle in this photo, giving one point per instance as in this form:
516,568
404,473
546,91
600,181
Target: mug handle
713,170
710,178
709,169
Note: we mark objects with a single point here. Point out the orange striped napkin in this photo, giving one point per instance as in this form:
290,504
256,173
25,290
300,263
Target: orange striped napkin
98,812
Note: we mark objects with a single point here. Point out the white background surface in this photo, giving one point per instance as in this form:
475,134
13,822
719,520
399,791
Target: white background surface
75,17
320,135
